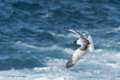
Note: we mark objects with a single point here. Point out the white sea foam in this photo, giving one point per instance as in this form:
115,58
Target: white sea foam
113,65
56,70
117,29
117,55
49,48
40,30
19,43
52,33
52,62
47,15
72,35
115,43
69,35
40,69
98,50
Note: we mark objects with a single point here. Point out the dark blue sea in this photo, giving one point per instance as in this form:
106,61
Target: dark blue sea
34,45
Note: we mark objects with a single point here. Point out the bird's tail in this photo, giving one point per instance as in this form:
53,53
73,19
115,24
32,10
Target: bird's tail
91,46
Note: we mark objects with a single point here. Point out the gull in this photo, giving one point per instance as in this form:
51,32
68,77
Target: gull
85,44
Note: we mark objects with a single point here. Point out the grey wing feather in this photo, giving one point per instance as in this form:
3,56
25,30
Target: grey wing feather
79,34
75,57
70,62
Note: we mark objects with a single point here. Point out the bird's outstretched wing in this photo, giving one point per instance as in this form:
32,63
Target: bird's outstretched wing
79,34
75,57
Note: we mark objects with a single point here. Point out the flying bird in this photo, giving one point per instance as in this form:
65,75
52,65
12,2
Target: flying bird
85,44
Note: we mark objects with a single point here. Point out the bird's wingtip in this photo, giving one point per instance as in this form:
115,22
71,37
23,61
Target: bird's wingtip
68,66
65,28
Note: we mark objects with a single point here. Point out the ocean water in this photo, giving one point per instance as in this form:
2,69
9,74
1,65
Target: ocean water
34,45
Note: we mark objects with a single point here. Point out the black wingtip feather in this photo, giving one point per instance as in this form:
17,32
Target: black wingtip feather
69,66
66,28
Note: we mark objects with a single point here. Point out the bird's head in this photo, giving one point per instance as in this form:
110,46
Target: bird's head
74,42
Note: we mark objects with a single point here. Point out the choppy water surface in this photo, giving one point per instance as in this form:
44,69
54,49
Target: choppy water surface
34,46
